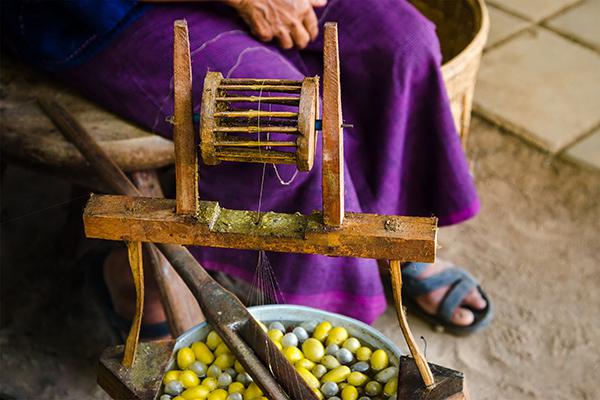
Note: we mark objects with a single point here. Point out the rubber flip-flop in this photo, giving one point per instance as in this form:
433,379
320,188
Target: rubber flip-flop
460,282
119,324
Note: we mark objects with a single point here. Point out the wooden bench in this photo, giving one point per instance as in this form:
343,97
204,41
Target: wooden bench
29,139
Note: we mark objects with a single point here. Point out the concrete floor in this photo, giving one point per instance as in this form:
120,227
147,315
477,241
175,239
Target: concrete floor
534,246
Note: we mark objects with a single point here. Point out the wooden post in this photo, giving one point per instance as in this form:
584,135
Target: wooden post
420,361
333,141
186,156
134,250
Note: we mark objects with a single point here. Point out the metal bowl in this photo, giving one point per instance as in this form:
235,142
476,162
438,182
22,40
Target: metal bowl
292,315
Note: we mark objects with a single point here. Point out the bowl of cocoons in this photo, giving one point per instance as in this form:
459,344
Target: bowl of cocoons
339,357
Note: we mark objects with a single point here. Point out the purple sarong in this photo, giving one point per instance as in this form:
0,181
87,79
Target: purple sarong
402,157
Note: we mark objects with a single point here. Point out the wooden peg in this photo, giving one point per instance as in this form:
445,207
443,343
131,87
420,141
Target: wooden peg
420,360
134,250
333,143
186,157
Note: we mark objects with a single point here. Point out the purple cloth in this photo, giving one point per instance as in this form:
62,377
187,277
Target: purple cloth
403,155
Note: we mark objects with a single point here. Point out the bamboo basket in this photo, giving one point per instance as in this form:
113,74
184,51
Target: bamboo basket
462,27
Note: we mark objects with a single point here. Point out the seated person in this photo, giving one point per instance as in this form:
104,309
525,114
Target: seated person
403,155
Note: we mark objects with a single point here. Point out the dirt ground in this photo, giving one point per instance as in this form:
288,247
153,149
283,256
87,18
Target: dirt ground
535,247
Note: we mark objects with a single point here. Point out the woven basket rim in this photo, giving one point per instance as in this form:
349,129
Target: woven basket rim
475,47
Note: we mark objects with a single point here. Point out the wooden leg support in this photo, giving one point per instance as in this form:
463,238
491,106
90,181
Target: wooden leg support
137,269
422,364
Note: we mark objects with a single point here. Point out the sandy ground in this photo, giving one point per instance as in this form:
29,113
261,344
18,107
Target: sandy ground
535,247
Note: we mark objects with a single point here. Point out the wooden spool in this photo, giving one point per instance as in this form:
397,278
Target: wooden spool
259,120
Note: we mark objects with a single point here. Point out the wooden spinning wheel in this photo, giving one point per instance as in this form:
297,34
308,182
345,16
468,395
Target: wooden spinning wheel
236,113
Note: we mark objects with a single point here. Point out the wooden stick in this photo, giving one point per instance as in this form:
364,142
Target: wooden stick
263,88
333,141
253,155
256,113
259,99
72,130
254,81
420,360
186,157
250,143
134,250
256,129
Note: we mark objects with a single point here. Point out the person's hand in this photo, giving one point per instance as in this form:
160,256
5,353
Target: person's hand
291,22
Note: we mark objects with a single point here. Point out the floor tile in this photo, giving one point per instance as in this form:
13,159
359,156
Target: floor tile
542,87
533,10
502,25
581,22
587,151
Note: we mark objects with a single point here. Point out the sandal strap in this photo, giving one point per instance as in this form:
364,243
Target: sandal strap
459,280
416,286
456,295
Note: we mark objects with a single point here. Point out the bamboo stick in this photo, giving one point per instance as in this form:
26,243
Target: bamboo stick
262,88
256,129
420,360
260,99
262,156
254,81
256,114
250,143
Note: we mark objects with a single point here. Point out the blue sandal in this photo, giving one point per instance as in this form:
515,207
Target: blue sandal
460,282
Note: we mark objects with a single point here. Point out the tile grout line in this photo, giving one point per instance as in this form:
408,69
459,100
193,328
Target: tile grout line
570,37
533,21
586,135
509,37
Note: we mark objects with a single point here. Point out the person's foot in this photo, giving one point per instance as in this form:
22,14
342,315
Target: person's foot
119,282
430,302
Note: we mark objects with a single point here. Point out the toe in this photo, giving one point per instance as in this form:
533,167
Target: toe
475,300
462,317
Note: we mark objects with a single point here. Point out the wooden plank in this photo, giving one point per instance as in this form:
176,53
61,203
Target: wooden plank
134,250
449,384
186,157
333,141
362,235
144,379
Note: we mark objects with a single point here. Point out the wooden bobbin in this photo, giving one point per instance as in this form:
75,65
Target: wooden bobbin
259,120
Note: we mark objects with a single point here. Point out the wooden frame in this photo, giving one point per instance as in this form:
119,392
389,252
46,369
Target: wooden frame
334,232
